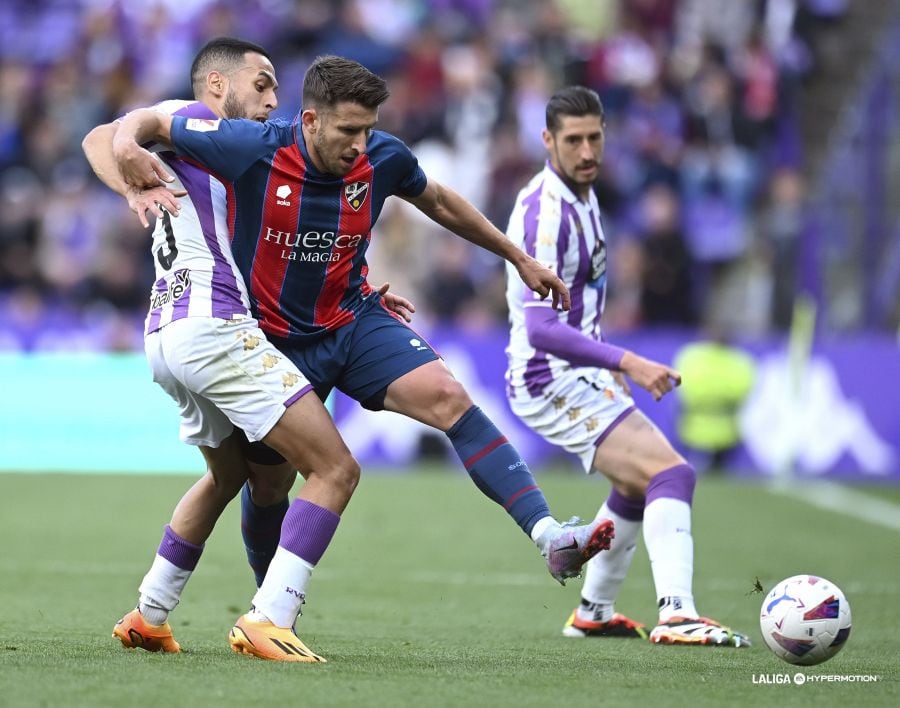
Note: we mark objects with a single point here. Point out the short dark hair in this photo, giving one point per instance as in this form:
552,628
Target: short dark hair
572,101
220,54
331,80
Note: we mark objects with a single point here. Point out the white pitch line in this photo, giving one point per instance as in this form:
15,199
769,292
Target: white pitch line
844,500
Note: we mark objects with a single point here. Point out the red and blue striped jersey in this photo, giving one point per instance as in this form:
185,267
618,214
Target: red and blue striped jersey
299,236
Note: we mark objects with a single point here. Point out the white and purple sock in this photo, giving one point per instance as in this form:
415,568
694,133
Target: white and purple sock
163,584
305,534
667,535
606,571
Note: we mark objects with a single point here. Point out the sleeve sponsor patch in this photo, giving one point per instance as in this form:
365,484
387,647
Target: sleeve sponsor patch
201,125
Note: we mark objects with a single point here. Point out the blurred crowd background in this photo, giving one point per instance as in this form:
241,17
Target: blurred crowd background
704,185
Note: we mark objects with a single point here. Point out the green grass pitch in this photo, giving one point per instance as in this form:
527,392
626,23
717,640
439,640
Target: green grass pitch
429,596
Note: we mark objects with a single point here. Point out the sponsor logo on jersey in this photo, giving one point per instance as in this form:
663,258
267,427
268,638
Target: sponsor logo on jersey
175,288
202,125
598,264
312,246
355,193
283,192
547,237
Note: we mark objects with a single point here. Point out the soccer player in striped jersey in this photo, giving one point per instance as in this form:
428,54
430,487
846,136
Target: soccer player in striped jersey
206,350
566,383
303,197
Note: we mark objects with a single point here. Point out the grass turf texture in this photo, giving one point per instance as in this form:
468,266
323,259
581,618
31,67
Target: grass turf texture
429,596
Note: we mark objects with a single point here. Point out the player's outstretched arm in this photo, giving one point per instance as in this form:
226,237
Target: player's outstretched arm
547,333
455,214
97,147
137,165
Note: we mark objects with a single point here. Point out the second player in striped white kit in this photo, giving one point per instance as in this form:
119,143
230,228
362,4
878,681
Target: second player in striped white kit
566,383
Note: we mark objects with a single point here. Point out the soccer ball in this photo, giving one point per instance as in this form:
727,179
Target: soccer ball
805,620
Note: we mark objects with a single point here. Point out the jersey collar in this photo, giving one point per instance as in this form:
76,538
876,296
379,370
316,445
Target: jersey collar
558,184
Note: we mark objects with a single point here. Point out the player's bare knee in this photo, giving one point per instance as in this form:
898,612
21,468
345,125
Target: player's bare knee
452,401
270,484
350,472
269,492
345,475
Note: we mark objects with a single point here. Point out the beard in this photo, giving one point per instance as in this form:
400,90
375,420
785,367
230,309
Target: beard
322,151
231,107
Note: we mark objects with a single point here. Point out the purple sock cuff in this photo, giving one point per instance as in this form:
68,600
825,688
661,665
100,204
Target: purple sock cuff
307,530
178,551
675,483
628,509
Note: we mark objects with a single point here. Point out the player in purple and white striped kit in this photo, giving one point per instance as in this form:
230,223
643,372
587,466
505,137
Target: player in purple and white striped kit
206,350
566,383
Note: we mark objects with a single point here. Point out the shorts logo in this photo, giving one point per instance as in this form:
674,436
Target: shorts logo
289,380
251,341
201,125
283,192
418,344
269,360
356,192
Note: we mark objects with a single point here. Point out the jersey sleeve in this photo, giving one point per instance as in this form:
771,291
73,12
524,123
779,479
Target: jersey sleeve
176,107
227,147
412,180
546,232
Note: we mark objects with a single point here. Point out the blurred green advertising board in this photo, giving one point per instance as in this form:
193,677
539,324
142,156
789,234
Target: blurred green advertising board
88,412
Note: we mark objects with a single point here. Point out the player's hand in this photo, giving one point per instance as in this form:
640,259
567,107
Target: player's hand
397,303
138,166
620,379
544,282
651,376
154,200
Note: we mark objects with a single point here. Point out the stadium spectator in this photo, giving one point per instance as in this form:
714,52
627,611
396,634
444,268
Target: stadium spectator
667,290
782,223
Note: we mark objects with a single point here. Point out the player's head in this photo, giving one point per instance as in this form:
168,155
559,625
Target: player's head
235,78
340,107
574,135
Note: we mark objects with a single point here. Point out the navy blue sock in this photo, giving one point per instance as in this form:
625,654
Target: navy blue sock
497,469
261,529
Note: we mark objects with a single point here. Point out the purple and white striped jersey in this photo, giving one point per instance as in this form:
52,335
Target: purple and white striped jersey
564,233
196,275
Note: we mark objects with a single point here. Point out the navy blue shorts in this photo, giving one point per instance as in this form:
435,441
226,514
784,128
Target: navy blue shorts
363,358
360,359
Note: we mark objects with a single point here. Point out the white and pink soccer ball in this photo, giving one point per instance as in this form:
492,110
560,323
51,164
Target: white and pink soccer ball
805,620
